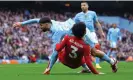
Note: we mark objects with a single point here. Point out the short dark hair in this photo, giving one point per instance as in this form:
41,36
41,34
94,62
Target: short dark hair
45,20
79,29
84,2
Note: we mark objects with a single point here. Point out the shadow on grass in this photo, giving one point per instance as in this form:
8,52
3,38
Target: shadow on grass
70,74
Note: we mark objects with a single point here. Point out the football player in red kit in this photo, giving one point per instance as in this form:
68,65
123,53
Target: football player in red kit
73,51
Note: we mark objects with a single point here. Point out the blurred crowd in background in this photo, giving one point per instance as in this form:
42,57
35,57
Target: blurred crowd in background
29,41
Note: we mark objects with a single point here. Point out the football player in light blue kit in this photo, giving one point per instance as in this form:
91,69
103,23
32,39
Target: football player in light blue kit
113,37
59,29
90,18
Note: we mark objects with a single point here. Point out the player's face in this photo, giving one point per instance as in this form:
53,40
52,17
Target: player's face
84,7
114,25
45,27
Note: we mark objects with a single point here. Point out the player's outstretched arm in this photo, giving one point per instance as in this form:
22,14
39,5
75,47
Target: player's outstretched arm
31,21
61,45
98,25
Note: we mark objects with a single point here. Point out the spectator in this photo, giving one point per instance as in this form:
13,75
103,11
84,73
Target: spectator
29,40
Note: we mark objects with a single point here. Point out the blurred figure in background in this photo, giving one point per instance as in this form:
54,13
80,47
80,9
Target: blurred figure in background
113,38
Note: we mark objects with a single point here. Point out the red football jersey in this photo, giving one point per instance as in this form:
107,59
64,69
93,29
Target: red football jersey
74,49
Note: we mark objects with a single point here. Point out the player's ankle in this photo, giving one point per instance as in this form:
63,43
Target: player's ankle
112,62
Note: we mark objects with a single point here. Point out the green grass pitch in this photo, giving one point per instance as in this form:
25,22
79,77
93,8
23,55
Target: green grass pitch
61,72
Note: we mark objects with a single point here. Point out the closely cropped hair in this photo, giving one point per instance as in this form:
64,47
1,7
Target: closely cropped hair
79,29
45,20
85,2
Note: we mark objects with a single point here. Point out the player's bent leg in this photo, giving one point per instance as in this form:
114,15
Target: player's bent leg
66,63
73,65
91,39
98,53
85,67
52,60
113,52
113,49
103,56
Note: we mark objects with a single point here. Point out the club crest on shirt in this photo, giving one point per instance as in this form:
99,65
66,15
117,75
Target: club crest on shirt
88,16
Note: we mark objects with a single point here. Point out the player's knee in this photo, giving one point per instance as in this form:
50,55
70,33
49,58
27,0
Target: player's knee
93,52
97,46
97,53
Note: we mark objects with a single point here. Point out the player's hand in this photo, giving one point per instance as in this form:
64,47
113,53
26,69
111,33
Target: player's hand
17,24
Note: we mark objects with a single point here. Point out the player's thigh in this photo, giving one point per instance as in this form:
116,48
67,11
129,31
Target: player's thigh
113,45
87,38
62,59
93,37
97,53
66,62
